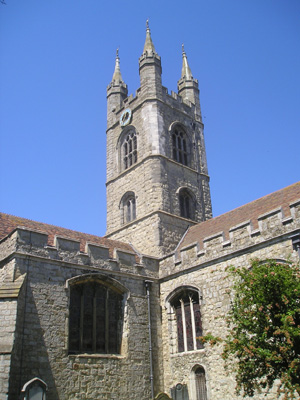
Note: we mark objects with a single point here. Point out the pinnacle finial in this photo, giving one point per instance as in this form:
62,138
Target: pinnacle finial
117,77
149,46
186,71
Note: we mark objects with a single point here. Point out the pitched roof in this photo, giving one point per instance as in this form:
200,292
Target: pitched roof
251,211
8,223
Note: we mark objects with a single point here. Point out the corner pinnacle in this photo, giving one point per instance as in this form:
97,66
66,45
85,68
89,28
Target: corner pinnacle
149,46
185,71
117,77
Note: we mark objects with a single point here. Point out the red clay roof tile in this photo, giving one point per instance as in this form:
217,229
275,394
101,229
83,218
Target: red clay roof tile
251,211
9,223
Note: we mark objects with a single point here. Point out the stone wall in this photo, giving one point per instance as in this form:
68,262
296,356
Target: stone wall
155,178
43,334
202,265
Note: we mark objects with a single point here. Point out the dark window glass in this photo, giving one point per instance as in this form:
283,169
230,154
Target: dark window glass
189,325
129,209
198,325
186,205
130,150
179,329
179,144
95,319
200,384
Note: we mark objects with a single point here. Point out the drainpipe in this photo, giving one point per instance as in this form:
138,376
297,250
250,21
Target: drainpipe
148,285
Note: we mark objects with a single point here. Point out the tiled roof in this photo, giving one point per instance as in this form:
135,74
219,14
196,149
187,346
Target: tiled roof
251,211
9,223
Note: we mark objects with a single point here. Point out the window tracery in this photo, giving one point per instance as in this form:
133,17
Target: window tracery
95,316
180,146
187,312
129,149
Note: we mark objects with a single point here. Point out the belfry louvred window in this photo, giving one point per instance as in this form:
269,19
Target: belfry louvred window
188,320
130,150
95,318
186,204
179,146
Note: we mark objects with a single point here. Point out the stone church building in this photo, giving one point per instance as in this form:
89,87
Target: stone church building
118,317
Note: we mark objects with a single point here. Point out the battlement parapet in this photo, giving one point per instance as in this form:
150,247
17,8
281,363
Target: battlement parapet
246,234
172,99
68,250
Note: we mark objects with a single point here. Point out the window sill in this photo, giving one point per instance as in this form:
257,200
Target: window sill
88,355
185,353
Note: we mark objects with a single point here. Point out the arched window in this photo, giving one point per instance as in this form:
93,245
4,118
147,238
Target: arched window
128,207
180,146
129,149
200,383
185,304
95,317
186,204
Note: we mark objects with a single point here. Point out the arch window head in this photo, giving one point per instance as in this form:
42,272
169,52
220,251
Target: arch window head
200,383
129,149
186,307
128,207
186,204
180,146
95,318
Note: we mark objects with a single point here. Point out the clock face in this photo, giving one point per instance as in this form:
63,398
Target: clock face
125,117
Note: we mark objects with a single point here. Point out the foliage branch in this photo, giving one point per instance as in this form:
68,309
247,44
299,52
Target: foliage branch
263,343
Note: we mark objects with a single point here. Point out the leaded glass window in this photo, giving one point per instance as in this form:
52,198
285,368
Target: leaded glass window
179,146
128,207
188,320
186,204
130,150
95,318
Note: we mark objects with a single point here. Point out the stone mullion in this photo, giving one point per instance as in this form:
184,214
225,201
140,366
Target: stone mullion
193,323
183,325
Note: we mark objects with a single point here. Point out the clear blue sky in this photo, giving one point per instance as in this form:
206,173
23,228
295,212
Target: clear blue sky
57,58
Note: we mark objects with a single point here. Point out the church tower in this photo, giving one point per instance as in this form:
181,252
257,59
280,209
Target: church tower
157,179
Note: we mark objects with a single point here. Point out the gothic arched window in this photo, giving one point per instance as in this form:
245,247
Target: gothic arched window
129,149
186,204
128,207
95,318
200,383
185,304
180,146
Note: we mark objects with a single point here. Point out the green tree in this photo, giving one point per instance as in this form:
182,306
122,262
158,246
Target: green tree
263,343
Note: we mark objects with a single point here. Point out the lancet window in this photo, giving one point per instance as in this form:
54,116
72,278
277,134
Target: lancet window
200,383
129,149
186,204
180,146
128,207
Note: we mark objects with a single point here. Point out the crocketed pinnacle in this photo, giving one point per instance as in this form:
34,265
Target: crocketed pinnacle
186,71
117,77
149,46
